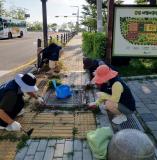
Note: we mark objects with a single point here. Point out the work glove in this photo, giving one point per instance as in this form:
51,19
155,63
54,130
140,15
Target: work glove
92,105
99,94
15,126
40,100
102,108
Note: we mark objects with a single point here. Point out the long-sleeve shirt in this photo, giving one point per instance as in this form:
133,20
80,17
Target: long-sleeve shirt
117,90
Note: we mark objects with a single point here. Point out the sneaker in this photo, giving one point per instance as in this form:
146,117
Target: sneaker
21,112
119,119
1,127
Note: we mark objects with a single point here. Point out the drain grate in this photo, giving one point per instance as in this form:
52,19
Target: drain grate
79,97
132,122
42,84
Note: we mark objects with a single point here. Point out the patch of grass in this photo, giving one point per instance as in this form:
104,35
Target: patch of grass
23,142
75,131
12,136
139,67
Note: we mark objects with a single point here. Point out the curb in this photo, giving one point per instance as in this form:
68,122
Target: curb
144,77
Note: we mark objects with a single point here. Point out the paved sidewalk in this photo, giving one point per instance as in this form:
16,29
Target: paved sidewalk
70,148
145,93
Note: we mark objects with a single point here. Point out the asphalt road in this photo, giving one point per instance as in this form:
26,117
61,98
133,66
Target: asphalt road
17,51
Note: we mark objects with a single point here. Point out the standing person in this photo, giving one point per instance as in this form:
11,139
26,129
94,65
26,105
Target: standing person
115,94
12,102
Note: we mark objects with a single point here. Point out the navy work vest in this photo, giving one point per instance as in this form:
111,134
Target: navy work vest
8,86
126,98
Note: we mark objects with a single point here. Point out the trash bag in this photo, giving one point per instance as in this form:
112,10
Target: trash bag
51,52
98,141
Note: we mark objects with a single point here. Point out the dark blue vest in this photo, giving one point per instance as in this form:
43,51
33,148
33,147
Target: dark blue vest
126,98
8,86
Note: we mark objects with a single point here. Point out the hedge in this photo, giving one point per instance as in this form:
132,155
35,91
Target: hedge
94,45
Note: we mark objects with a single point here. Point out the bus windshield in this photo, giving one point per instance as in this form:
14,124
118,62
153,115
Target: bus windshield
1,24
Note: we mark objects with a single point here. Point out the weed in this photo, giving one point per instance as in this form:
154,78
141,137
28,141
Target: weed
23,142
75,131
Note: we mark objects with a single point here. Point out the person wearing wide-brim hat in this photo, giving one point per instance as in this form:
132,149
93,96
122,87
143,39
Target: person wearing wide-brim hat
115,95
11,99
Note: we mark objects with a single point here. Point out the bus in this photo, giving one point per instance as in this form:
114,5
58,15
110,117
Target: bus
10,28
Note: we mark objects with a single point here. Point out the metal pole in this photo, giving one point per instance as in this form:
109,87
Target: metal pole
99,16
109,31
45,35
78,20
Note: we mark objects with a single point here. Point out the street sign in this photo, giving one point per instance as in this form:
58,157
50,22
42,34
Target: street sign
135,31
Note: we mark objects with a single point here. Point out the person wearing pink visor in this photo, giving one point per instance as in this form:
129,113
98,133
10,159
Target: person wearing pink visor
115,95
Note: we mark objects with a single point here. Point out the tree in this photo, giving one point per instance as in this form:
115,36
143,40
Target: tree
17,13
52,26
71,26
141,1
2,10
35,26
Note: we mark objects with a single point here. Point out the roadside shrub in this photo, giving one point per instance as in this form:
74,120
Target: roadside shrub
94,45
88,43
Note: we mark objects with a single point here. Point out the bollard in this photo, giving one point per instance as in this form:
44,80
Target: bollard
39,49
62,38
66,37
38,43
57,37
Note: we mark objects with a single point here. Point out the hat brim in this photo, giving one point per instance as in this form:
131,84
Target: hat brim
100,80
24,87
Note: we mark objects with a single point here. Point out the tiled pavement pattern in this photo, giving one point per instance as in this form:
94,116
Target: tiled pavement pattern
7,150
145,93
63,149
58,124
72,149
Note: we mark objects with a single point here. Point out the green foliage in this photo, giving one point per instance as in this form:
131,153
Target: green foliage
35,26
50,84
94,45
23,142
54,40
139,67
141,1
87,46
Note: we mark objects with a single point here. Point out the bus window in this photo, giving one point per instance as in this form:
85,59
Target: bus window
5,25
1,24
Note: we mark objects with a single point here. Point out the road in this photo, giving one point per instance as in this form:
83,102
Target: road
17,51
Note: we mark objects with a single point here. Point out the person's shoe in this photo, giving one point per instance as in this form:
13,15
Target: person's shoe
1,127
119,119
21,112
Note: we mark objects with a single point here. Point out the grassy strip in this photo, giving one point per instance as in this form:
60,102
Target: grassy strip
139,67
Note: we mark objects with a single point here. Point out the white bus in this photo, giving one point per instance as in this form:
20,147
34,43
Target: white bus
10,28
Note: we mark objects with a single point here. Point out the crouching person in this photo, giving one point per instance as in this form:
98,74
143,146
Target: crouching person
115,94
12,102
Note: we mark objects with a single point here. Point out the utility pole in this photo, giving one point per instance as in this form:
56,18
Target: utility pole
109,31
99,16
45,34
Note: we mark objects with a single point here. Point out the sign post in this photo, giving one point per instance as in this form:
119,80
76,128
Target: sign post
45,34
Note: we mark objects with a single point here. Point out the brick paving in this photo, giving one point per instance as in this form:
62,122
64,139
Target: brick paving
145,93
